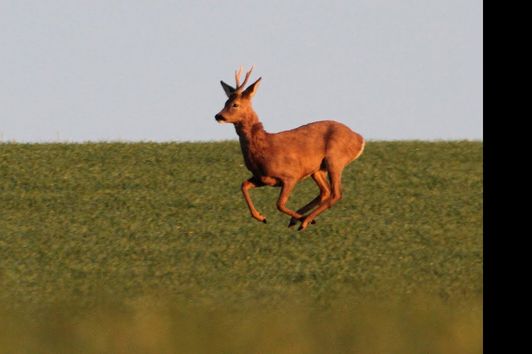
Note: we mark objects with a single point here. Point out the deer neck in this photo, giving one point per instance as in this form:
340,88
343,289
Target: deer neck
253,139
250,129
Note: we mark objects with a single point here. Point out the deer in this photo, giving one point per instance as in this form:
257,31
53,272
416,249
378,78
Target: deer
283,159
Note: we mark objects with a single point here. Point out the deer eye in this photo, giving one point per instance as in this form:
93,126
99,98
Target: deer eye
236,105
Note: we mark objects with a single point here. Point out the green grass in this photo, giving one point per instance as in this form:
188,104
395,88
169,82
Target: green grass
146,247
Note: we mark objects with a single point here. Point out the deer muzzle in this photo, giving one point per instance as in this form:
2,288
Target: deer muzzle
219,118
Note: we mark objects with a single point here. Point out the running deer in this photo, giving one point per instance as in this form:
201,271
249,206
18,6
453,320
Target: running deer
283,159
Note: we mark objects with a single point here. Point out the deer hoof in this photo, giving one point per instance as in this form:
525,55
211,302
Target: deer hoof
303,225
293,221
259,217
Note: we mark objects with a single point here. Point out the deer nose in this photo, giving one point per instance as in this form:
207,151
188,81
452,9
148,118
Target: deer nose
219,117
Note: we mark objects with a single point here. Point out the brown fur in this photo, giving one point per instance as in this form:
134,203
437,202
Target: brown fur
283,159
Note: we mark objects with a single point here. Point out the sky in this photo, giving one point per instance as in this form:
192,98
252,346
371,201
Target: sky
77,71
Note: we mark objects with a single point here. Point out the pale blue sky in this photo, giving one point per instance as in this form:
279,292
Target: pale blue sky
150,70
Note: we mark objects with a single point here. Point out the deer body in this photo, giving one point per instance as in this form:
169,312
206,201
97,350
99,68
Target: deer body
296,153
283,159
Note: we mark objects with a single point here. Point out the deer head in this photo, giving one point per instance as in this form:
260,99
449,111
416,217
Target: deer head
238,106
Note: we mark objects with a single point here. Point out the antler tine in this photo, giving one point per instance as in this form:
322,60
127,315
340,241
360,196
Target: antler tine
237,77
248,74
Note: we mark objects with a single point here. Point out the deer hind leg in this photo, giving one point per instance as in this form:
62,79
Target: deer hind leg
320,177
246,186
335,176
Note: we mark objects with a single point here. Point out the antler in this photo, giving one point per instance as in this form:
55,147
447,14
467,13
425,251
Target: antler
240,87
237,77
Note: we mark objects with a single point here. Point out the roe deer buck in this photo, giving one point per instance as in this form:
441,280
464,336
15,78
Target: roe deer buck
283,159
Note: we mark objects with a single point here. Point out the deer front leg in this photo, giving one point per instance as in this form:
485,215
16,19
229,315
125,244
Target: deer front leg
335,175
246,186
306,208
286,189
320,177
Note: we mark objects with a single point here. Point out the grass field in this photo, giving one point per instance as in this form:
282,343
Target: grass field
149,248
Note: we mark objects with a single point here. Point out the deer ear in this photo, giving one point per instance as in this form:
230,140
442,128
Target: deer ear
229,90
252,89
